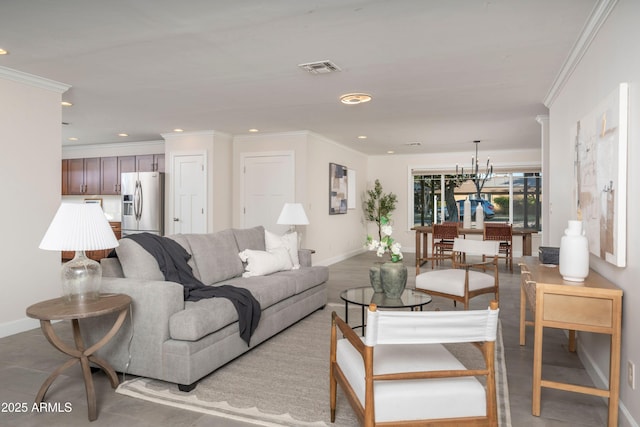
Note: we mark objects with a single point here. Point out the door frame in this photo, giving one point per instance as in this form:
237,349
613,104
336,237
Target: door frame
170,189
243,159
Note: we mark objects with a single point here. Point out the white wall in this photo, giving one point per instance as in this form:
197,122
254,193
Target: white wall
30,132
611,59
333,237
216,146
394,173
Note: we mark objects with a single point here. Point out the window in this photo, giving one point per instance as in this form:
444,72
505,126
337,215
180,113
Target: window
513,197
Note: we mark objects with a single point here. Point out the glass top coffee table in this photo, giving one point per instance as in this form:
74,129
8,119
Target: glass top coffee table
365,295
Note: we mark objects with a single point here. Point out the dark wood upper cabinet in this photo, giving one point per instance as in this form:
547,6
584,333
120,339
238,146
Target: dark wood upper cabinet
101,175
150,163
83,176
65,176
111,168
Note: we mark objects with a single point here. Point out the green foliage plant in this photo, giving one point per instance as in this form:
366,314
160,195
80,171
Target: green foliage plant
379,205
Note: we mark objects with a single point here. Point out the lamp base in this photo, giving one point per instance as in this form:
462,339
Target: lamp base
81,279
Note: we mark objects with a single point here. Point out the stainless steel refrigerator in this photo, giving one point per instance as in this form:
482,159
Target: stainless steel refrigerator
142,202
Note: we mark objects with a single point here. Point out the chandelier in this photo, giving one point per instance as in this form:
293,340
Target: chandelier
477,177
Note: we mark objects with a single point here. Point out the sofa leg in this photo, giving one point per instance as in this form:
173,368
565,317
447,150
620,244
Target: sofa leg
187,388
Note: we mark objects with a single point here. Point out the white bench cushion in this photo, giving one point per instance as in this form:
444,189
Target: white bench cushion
414,399
451,281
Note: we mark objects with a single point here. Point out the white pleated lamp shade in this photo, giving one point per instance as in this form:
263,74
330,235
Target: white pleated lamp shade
293,214
79,227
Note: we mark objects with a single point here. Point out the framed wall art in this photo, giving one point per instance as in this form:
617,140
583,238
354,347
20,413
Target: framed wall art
601,176
338,188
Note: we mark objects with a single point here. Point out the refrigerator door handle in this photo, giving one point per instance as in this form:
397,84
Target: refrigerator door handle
141,201
136,201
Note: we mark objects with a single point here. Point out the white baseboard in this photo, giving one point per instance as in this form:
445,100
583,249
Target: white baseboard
338,258
17,326
625,419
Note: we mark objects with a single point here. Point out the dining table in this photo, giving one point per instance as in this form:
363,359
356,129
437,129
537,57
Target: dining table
422,240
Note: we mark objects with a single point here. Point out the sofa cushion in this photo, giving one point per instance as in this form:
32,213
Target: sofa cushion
250,238
184,242
289,241
137,263
305,277
201,318
215,256
206,316
260,263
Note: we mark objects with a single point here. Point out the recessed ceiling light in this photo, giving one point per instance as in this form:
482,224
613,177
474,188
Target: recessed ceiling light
178,130
362,136
355,98
390,152
253,130
66,104
3,52
123,134
73,138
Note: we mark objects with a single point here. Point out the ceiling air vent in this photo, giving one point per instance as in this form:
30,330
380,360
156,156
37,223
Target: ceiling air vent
320,67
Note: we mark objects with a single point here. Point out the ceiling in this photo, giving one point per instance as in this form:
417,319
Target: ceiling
441,73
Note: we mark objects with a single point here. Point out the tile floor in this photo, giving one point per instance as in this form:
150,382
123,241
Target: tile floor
27,359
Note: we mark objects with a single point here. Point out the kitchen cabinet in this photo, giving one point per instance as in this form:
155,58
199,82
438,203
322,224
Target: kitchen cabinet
150,163
111,168
65,175
82,176
101,175
97,255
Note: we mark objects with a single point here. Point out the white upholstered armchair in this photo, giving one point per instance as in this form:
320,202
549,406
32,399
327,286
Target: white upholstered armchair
401,373
467,278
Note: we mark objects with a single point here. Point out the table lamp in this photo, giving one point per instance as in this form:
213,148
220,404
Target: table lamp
293,214
79,227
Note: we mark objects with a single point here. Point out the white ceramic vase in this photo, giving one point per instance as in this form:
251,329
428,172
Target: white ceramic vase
574,253
479,216
466,219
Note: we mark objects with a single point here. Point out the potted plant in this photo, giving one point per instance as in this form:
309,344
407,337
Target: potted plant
389,277
379,205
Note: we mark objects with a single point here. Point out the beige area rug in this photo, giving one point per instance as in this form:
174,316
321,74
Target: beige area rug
285,381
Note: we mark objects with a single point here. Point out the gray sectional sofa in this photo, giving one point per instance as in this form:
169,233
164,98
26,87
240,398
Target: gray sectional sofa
181,342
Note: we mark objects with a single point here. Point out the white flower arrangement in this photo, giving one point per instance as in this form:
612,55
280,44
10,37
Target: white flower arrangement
386,243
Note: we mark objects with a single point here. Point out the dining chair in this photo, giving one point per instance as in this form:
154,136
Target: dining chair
442,240
502,233
401,373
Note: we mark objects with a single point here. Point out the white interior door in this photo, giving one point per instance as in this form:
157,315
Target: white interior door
189,194
269,182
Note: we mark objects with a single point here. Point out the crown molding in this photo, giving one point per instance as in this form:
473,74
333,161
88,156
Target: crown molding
33,80
597,18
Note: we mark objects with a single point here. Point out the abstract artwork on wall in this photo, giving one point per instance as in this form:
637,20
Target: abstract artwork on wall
337,189
601,176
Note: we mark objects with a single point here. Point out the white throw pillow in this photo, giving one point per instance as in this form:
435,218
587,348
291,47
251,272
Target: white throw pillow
260,263
289,241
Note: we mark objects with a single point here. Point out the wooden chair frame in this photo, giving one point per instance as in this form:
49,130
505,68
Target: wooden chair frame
366,412
503,233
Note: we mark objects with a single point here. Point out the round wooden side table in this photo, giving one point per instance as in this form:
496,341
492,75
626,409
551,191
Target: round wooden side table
59,309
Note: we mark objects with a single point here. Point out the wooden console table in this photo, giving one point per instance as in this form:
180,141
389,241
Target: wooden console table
59,309
594,305
422,233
